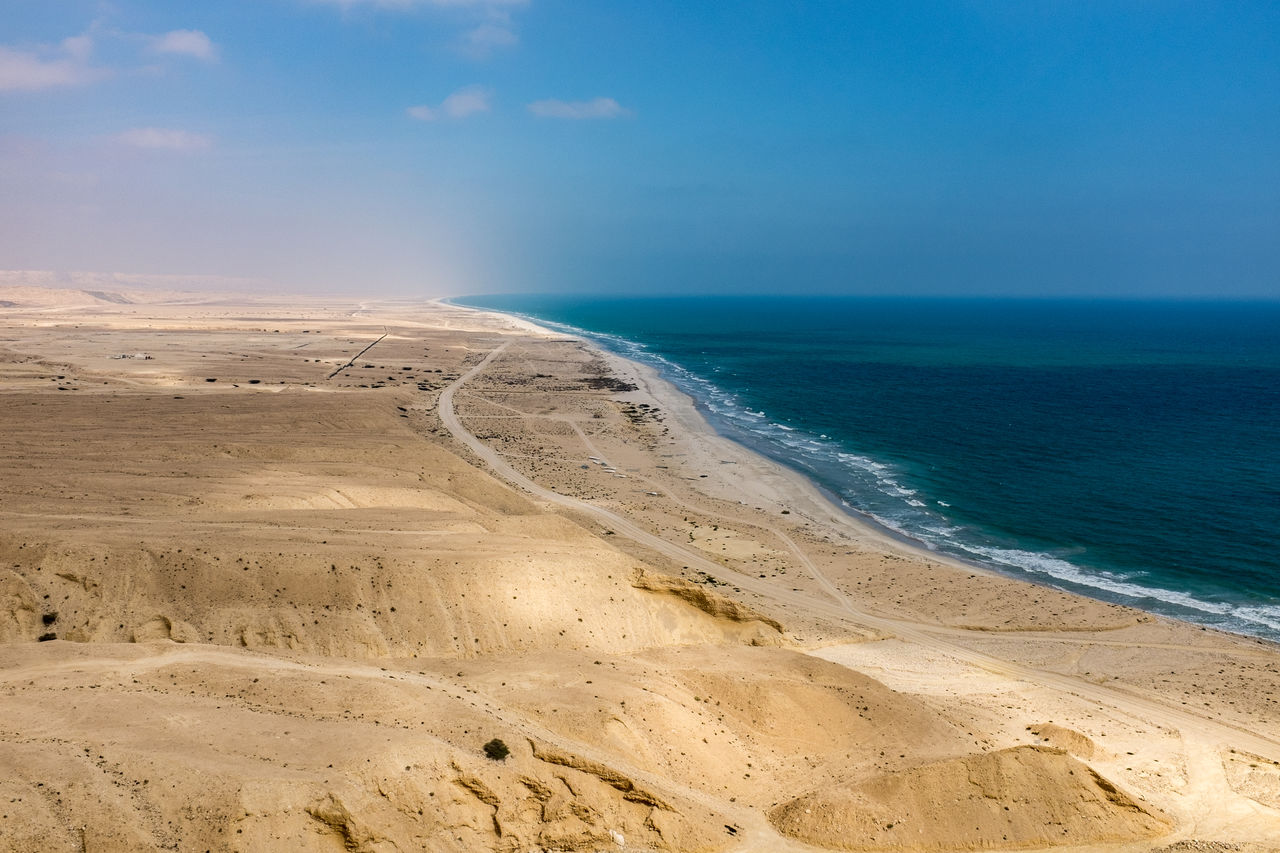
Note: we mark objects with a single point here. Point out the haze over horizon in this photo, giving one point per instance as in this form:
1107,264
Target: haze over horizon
429,147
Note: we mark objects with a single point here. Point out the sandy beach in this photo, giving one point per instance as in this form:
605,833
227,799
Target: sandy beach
276,570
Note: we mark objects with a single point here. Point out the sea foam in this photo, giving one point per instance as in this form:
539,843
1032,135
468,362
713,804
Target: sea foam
891,494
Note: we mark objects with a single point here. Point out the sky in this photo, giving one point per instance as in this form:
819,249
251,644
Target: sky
452,147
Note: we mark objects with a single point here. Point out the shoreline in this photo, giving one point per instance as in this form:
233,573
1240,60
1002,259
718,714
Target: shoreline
308,601
826,504
662,391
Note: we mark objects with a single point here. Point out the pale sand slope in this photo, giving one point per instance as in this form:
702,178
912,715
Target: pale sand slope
290,609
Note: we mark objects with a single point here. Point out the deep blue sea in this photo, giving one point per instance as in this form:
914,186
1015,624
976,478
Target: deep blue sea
1126,450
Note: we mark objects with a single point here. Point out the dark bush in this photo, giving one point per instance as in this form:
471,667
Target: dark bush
496,750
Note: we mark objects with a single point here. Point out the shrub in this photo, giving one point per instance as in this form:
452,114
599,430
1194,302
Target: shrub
496,750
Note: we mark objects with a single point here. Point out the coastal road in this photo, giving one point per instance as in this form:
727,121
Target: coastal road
1202,735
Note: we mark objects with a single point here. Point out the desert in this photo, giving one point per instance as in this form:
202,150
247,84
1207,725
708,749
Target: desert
276,570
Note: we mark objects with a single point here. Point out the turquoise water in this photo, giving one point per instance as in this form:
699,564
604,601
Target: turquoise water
1130,451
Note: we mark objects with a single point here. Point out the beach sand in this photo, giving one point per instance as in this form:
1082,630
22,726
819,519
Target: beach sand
263,588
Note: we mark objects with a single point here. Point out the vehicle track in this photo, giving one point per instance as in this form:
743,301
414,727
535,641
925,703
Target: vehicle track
1203,737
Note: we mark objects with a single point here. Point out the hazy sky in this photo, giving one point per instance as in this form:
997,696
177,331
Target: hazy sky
467,146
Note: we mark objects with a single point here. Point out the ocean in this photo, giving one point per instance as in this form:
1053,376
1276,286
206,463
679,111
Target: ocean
1125,450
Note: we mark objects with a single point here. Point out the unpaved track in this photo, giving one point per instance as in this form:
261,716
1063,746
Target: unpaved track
1203,737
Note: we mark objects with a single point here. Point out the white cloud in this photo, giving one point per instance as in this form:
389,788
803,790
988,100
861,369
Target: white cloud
492,27
490,35
594,108
495,32
78,48
165,139
462,103
186,43
465,102
68,64
32,71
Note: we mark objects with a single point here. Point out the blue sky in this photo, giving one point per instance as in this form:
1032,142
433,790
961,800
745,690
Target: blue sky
423,147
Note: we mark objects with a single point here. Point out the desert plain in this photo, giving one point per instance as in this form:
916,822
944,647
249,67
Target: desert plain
274,571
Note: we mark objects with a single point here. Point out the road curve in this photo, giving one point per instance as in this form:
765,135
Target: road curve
1209,734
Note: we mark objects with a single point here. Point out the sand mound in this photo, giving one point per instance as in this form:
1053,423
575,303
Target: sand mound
459,596
20,296
306,527
1067,740
127,748
309,753
704,599
757,723
1023,796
